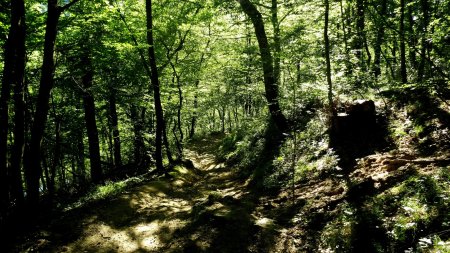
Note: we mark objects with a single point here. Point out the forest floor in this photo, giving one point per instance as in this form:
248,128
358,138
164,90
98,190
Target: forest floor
210,208
202,209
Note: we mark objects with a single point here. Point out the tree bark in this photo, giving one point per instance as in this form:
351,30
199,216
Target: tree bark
270,84
19,112
424,44
194,113
403,73
276,42
179,141
115,127
138,126
156,88
360,36
327,58
91,124
379,40
56,158
13,75
32,163
32,159
344,23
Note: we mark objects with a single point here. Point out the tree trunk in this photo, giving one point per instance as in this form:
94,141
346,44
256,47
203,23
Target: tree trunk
91,124
80,158
5,95
379,40
345,38
327,58
424,43
360,26
194,113
19,112
271,87
276,42
56,158
403,73
178,125
412,41
166,143
13,75
115,127
138,126
32,160
180,107
156,89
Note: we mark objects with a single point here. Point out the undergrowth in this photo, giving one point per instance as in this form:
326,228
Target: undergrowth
103,192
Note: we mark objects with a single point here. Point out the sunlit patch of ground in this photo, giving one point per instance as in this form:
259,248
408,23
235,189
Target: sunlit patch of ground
390,200
189,212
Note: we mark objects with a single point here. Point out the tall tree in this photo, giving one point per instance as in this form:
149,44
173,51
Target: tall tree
327,57
13,75
360,31
403,73
114,122
424,43
15,172
89,115
270,84
379,39
32,164
156,89
276,42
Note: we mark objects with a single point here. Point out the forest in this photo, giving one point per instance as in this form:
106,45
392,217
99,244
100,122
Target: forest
225,126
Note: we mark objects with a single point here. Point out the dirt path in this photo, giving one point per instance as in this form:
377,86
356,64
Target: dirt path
206,209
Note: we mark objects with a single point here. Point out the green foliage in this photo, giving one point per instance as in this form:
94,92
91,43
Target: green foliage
244,145
304,156
109,190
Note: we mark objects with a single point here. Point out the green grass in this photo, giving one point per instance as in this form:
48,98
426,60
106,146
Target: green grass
101,192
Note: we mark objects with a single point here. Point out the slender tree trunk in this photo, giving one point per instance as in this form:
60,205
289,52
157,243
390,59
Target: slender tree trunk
5,95
360,37
80,158
327,58
19,125
115,127
194,113
166,143
138,127
156,89
403,73
423,42
91,124
276,42
379,40
345,38
56,158
13,75
412,41
32,163
270,84
179,108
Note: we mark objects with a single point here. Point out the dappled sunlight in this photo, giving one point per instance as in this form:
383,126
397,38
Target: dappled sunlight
194,209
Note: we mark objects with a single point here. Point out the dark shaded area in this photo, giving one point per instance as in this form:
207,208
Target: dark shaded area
356,131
